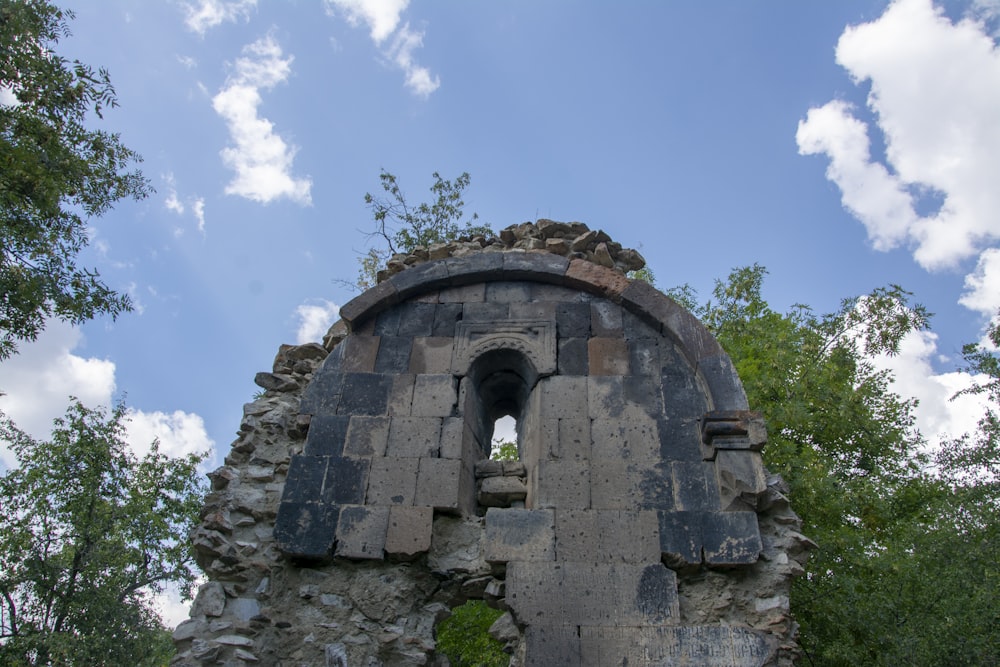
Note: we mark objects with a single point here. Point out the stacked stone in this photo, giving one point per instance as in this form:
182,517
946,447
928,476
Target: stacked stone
355,507
568,239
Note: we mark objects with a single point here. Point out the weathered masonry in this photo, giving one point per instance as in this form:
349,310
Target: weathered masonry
359,503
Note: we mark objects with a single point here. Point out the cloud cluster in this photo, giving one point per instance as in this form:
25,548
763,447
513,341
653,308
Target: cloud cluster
935,96
315,320
174,204
210,13
38,381
383,18
261,159
939,413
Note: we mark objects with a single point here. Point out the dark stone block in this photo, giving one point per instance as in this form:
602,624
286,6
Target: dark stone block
327,435
656,594
552,646
368,303
558,293
346,481
723,382
636,327
486,312
387,322
679,438
333,361
420,278
508,291
306,530
606,318
322,396
304,482
693,490
572,358
644,356
731,538
446,316
474,293
533,310
648,303
416,319
393,354
365,394
683,406
476,267
530,264
644,390
656,486
573,320
520,534
680,538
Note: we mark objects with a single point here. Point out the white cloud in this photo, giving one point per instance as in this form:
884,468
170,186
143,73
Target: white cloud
418,79
315,320
383,18
261,159
38,381
938,416
210,13
935,96
7,96
983,285
198,208
172,202
187,61
180,433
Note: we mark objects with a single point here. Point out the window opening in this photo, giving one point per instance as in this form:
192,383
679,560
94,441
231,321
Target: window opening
504,441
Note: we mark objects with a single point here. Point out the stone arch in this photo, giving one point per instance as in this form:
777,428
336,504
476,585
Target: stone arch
640,467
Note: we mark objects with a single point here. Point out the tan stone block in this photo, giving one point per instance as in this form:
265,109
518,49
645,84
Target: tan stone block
409,530
360,353
608,356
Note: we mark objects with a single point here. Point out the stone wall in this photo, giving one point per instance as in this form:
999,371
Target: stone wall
358,504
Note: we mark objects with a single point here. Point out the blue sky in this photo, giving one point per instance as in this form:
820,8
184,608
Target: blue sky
843,145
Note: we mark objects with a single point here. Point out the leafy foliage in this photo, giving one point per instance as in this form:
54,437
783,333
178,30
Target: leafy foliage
465,639
504,451
403,227
906,572
90,532
55,174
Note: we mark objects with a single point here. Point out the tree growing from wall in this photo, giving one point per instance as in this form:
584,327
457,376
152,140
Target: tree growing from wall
401,227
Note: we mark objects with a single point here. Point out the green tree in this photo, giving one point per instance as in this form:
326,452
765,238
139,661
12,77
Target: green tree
402,227
906,572
55,174
90,532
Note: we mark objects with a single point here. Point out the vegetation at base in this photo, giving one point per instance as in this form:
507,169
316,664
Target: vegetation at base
465,639
55,175
90,533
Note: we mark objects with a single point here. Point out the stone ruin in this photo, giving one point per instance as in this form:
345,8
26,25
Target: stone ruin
359,504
